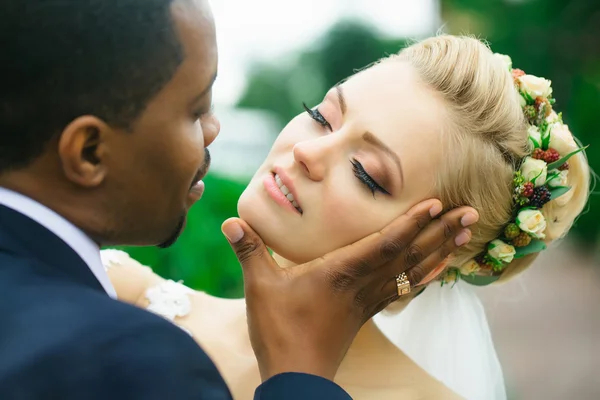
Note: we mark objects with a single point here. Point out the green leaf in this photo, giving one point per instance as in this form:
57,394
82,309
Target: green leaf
536,144
545,131
538,175
563,160
478,280
530,100
558,191
534,247
551,176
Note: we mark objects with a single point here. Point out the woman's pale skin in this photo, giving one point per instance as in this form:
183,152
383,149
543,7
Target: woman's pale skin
368,153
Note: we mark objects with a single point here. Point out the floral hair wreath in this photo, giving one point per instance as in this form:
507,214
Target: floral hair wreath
542,177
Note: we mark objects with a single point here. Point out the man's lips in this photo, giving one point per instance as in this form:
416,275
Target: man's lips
203,170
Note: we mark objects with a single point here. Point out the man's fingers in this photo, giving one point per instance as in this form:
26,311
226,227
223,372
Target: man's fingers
248,247
444,235
440,256
416,275
363,257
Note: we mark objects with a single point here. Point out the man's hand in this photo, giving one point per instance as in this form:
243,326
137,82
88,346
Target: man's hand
304,318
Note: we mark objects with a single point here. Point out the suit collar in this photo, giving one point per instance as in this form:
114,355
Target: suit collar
40,233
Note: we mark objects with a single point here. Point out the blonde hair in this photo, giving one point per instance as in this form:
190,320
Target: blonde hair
485,141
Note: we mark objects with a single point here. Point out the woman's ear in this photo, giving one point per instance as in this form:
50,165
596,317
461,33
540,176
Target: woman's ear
81,150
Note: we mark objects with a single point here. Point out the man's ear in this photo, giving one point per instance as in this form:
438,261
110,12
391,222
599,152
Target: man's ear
82,148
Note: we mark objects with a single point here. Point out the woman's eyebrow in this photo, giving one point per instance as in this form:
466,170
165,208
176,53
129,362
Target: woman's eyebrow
341,98
374,141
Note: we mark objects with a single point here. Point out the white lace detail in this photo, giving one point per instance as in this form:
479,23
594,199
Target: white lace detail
169,300
113,258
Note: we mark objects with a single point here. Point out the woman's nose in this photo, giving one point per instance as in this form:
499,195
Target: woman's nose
314,156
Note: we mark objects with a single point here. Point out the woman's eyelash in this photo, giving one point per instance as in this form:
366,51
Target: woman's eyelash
365,178
317,116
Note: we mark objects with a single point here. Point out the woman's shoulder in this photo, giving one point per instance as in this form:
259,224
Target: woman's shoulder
137,284
129,277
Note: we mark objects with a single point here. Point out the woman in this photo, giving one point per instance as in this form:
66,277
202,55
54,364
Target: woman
444,118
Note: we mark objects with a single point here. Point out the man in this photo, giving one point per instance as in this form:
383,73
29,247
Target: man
105,116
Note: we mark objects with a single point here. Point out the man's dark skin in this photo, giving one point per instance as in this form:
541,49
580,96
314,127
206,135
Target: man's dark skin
130,185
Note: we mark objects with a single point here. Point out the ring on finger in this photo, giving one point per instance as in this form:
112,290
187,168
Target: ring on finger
403,284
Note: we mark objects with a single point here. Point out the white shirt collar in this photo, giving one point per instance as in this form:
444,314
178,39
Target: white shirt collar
69,233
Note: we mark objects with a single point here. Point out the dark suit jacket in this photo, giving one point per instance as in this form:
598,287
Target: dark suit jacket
63,337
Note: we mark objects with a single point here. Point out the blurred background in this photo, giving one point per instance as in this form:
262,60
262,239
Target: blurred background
276,54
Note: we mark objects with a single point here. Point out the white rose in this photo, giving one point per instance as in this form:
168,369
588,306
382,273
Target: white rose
532,222
535,86
535,136
505,59
533,169
561,139
469,267
501,251
553,117
560,180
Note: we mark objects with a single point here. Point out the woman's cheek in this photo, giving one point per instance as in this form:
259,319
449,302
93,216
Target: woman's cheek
346,220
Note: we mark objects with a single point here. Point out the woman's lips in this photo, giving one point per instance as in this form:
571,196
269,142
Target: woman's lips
277,195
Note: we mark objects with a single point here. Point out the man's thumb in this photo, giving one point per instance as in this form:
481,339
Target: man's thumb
247,245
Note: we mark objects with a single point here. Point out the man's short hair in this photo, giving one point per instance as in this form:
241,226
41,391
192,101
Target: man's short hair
66,58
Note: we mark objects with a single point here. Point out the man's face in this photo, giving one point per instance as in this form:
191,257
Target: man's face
153,171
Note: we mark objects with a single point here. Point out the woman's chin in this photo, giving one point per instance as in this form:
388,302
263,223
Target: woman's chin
278,233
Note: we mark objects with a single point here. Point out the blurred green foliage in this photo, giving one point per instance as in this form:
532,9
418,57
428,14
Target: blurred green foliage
550,38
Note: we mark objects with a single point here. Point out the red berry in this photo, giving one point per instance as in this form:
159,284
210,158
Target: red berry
527,189
511,231
551,156
522,240
539,154
483,264
541,195
564,167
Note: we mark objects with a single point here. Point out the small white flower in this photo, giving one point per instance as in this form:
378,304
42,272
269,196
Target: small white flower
469,267
506,60
560,179
553,117
503,252
535,171
113,258
535,86
535,137
169,299
561,139
532,222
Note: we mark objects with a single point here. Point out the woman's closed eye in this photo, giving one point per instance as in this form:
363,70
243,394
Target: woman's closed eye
365,178
318,117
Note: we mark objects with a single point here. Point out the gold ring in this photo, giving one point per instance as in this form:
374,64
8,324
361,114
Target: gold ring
403,284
